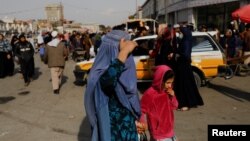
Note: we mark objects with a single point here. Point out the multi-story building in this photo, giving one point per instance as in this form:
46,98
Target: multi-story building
212,13
161,10
149,9
54,13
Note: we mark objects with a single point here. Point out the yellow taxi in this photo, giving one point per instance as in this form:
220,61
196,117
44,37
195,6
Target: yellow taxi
208,59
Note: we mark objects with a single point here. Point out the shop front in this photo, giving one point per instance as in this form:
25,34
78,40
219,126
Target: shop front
216,16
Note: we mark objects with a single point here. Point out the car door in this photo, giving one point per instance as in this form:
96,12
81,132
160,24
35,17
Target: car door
143,62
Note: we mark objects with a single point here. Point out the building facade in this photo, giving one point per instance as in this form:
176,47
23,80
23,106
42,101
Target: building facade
148,9
2,26
91,28
212,13
54,13
12,25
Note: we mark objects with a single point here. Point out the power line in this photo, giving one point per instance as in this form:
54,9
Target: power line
95,11
80,8
20,11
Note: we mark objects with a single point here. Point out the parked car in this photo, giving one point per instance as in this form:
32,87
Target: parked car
208,59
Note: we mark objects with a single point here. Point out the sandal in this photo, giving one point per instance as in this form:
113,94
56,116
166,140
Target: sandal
184,109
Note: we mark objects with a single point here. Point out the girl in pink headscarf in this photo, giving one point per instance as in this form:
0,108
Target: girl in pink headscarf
158,104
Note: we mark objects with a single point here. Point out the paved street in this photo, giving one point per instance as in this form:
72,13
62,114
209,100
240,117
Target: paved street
34,113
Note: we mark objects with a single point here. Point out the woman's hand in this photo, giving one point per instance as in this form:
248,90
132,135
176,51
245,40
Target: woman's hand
170,56
126,47
8,56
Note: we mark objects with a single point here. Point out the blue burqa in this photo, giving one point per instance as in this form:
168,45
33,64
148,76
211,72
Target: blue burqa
96,102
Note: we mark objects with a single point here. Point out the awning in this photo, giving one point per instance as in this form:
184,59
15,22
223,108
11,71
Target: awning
242,13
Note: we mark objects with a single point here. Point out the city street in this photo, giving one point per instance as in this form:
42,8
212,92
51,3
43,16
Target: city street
34,113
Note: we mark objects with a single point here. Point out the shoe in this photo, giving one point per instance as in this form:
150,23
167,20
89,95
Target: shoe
184,109
56,91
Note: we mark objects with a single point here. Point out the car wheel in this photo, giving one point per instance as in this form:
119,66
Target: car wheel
197,79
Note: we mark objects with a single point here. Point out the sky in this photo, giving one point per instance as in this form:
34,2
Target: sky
106,12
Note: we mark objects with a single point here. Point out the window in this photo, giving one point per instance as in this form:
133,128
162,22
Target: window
143,47
202,43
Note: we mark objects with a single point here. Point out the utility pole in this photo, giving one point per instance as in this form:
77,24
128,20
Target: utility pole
136,9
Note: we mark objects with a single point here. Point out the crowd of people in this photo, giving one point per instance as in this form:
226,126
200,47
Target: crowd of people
113,108
235,40
53,47
112,105
111,101
21,50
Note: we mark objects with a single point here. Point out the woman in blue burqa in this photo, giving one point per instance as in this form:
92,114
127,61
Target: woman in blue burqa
111,98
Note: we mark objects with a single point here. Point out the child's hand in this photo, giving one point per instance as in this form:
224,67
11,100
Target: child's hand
170,91
141,127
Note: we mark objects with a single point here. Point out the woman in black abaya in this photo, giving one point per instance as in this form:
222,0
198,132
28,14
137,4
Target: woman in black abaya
186,90
6,59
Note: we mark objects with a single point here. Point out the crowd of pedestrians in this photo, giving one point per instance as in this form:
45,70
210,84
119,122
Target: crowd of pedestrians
112,105
20,51
111,100
235,40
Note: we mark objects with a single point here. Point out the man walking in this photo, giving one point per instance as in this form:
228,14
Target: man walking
25,53
55,55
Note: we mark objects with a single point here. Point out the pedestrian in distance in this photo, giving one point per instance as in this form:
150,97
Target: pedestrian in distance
55,56
229,44
6,58
63,39
164,55
158,104
25,53
87,43
246,47
185,87
41,46
111,100
175,43
13,42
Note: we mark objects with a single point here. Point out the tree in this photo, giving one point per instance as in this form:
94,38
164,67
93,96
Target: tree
102,27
